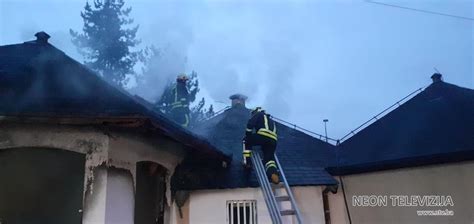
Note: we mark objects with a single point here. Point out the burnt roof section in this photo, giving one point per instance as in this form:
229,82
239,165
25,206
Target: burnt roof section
435,126
303,157
38,80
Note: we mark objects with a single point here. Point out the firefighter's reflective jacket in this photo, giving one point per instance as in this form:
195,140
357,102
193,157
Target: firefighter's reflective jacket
263,125
180,100
180,96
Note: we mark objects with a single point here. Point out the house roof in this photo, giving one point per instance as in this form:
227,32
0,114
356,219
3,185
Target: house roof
303,157
435,126
38,80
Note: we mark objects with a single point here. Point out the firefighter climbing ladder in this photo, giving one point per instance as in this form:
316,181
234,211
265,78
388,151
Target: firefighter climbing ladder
269,194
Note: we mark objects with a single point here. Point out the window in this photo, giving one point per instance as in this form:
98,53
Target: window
242,212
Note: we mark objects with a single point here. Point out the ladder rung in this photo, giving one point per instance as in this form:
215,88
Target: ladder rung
288,212
283,198
270,192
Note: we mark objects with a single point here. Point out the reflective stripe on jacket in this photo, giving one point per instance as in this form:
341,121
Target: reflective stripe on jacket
180,96
264,125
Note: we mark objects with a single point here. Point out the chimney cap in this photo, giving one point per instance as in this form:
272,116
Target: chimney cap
238,96
238,100
42,37
437,77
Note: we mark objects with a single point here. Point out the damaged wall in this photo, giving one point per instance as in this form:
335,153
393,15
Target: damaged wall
120,196
150,197
110,162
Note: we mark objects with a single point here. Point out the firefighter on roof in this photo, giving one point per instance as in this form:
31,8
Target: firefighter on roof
261,131
181,99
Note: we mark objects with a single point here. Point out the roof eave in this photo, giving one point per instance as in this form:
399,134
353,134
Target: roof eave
137,121
435,159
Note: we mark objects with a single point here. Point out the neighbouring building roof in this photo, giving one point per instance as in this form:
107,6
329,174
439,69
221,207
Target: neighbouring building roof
39,81
303,157
435,126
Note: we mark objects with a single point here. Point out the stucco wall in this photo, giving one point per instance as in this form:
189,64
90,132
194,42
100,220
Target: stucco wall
127,149
337,209
455,180
209,206
310,202
175,217
120,197
111,158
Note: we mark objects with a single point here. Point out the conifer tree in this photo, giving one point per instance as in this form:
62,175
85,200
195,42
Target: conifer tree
107,40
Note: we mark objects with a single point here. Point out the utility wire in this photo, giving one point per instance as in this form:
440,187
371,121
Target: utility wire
379,115
421,10
288,124
296,127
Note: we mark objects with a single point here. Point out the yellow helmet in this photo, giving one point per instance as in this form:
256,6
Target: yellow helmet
256,110
182,78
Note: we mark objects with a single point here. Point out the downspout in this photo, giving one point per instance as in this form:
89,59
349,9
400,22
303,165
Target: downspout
338,145
180,198
345,200
332,189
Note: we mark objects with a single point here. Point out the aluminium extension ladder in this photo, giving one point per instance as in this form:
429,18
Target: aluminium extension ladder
269,194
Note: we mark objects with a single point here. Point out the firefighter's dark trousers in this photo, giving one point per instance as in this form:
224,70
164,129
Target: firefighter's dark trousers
268,146
181,116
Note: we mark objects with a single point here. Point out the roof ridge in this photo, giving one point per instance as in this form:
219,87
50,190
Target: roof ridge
381,114
287,124
304,131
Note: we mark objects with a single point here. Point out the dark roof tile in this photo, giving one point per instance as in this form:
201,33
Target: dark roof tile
303,157
38,80
435,126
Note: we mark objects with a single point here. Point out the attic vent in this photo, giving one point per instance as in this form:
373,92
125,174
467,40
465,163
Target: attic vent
42,37
242,211
437,77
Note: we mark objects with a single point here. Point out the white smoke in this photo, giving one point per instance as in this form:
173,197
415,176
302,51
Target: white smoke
160,70
171,35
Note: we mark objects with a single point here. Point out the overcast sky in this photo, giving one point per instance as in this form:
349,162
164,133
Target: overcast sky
303,61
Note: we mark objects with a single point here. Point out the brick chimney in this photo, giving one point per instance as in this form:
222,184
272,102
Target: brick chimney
238,100
42,37
437,77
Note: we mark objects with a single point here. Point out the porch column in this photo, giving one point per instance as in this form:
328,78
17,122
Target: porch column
109,196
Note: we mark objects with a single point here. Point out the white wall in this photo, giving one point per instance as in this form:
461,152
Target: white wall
455,180
209,206
337,209
310,202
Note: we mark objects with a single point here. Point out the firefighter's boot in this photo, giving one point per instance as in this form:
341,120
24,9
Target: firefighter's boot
272,172
275,178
